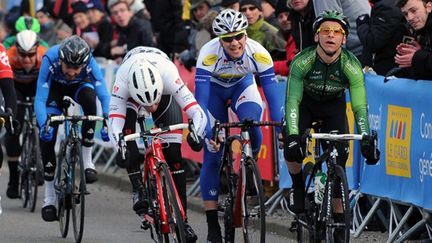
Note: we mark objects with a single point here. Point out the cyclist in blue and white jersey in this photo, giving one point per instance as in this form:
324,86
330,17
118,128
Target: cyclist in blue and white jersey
225,71
68,69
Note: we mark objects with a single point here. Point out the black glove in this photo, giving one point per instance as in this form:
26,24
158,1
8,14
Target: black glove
195,146
14,128
363,19
293,149
369,151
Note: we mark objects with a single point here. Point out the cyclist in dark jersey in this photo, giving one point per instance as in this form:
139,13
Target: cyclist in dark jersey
316,87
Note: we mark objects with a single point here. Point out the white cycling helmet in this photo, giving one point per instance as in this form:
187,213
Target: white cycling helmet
229,21
145,83
26,40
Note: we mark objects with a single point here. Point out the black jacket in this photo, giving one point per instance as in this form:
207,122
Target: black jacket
380,35
302,27
422,60
137,33
105,31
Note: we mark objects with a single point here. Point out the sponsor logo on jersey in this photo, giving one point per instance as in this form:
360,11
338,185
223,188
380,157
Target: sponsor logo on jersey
115,88
262,58
178,81
398,140
210,60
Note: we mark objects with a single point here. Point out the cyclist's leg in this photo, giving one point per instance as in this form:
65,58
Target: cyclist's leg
169,113
247,104
134,160
53,106
13,150
209,176
86,97
296,199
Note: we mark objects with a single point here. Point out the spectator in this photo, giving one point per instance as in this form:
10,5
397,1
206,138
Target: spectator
24,23
416,56
281,67
351,9
171,31
101,43
133,31
259,30
302,17
139,9
268,9
47,32
231,4
380,34
80,19
62,30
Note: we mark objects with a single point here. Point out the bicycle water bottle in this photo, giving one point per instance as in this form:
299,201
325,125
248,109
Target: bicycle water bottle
319,185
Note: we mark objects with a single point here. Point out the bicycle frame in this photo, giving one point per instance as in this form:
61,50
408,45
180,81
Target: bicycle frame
153,157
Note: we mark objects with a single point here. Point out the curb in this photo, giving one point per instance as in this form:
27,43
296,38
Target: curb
274,225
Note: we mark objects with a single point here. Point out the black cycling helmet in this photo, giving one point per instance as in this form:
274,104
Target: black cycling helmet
331,15
74,51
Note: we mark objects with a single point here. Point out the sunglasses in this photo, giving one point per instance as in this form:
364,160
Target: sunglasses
229,39
248,8
327,30
27,54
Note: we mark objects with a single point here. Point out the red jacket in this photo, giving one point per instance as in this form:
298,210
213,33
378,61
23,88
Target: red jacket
282,67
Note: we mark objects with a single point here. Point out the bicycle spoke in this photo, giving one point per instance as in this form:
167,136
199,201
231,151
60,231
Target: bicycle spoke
78,193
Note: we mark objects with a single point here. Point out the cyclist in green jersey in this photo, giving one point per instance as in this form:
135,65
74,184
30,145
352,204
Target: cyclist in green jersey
316,87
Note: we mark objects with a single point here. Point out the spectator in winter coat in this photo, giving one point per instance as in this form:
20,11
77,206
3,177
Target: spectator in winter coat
302,16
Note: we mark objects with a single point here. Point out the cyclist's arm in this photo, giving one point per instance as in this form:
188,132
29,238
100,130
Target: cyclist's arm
202,95
353,71
42,91
100,86
270,88
117,105
294,95
6,81
187,101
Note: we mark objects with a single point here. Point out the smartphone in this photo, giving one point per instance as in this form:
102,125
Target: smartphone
407,39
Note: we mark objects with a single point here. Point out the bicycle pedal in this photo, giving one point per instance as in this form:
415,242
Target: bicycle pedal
145,225
294,227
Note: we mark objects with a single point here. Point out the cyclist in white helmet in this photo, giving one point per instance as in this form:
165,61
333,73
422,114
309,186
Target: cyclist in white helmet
147,79
225,69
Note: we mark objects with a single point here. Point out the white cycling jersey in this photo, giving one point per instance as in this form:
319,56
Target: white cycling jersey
173,85
227,72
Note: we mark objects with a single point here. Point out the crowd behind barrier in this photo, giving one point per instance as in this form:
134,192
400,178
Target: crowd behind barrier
400,112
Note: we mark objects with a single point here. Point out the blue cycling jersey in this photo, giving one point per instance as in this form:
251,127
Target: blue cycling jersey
50,71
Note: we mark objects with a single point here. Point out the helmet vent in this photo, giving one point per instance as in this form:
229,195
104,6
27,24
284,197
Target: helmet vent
152,76
134,81
141,99
155,94
147,94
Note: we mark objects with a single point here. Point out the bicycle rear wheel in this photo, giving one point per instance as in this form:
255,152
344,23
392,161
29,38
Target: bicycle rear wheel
154,207
171,205
338,229
78,193
33,175
253,210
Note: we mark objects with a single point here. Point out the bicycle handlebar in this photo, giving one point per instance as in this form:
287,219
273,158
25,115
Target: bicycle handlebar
243,124
74,119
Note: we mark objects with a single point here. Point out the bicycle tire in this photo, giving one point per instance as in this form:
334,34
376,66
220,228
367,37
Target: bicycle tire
64,200
78,192
33,176
24,169
154,209
228,186
171,205
330,225
253,213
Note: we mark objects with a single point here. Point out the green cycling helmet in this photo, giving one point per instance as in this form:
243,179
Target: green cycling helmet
331,15
27,23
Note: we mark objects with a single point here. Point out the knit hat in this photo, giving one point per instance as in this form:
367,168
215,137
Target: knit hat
281,7
226,3
272,3
256,3
79,7
195,3
95,4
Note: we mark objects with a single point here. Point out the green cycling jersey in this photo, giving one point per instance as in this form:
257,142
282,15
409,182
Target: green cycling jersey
321,81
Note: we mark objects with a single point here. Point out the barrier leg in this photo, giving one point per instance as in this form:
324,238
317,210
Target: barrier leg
98,153
274,201
367,218
192,191
400,224
413,229
380,215
109,161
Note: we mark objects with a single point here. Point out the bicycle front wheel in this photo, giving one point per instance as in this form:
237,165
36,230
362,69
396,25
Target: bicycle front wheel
33,176
171,205
337,226
78,193
64,199
253,210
